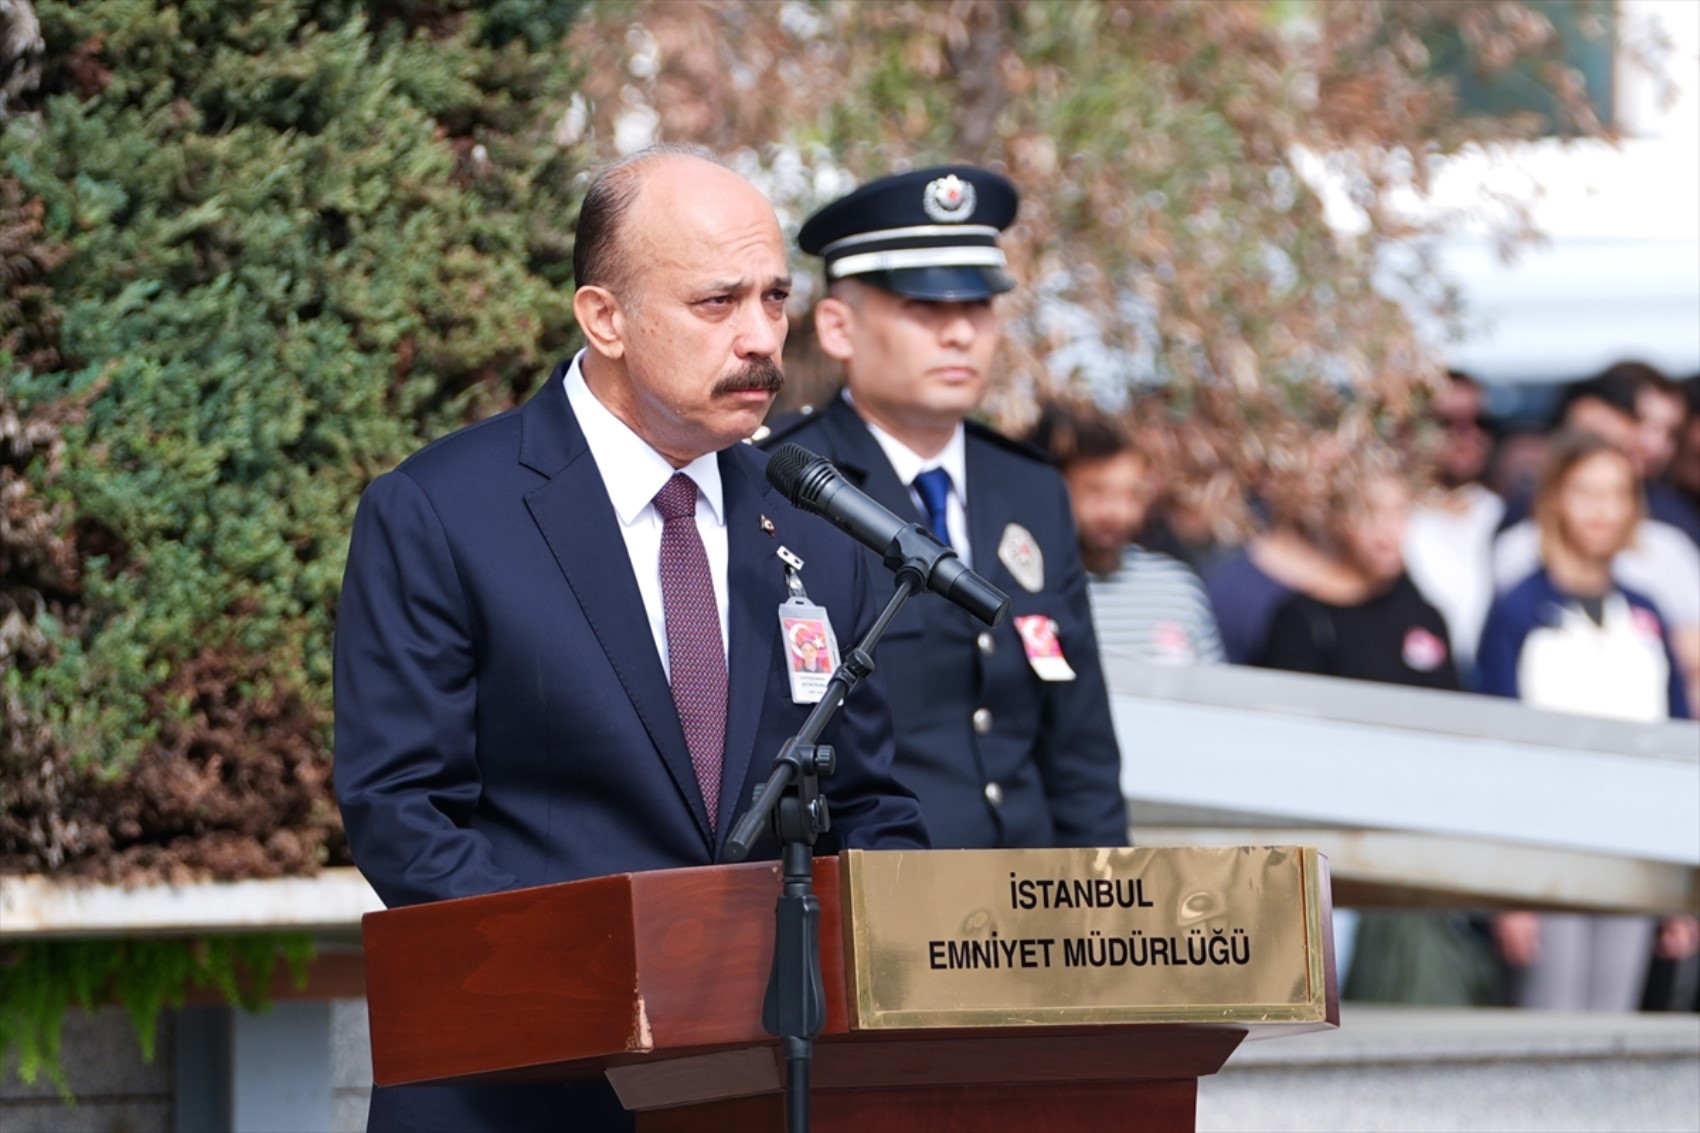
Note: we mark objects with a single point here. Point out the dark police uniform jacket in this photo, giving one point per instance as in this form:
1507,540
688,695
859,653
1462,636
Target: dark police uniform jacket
998,757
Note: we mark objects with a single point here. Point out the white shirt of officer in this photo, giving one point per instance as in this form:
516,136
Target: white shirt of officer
908,464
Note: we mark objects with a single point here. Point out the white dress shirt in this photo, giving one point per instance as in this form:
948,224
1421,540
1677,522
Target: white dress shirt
954,460
633,473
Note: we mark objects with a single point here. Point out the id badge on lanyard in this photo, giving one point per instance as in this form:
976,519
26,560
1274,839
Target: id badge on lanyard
811,647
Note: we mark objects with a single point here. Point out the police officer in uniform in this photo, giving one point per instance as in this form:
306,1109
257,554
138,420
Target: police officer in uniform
1004,734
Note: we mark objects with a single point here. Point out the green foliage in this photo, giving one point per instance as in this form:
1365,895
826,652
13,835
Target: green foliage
44,978
1174,159
297,241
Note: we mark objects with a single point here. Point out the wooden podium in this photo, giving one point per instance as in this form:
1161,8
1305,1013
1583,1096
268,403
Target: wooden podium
657,980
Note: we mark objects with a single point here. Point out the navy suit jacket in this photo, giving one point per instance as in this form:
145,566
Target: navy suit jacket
502,716
998,757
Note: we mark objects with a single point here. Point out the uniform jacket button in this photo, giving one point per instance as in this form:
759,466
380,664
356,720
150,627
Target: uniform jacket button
994,794
987,643
982,720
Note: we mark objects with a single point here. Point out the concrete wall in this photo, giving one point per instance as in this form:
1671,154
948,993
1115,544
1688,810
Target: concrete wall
1440,1069
1385,1069
351,1066
300,1066
117,1092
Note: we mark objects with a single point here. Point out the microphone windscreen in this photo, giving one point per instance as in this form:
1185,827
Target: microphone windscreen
805,479
785,468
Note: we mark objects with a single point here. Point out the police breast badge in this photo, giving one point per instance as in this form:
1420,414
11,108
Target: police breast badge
949,199
1019,552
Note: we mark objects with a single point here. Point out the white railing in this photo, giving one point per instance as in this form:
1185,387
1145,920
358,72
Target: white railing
1416,796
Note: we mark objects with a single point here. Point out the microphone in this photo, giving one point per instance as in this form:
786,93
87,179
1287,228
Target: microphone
813,484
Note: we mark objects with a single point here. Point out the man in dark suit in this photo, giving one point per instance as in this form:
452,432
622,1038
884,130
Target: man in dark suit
1003,734
559,652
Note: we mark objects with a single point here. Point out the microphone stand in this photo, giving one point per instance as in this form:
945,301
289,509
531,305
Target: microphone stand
795,1007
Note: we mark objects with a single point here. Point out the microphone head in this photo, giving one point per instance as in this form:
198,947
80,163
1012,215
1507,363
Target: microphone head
799,474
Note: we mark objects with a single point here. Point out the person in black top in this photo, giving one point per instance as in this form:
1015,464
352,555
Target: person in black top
1365,619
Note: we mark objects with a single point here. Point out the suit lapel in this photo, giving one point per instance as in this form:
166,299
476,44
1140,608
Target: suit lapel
755,585
577,520
984,534
865,462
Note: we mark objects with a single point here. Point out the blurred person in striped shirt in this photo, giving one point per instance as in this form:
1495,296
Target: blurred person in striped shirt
1144,603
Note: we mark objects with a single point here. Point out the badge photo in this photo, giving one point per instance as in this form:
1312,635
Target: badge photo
811,650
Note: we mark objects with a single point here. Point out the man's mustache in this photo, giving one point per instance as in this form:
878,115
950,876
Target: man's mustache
761,374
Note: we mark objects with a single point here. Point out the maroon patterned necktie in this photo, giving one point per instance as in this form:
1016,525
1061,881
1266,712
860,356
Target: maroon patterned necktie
695,658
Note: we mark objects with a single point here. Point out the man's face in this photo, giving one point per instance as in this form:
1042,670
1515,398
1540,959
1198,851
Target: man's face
1605,421
1111,499
1685,469
1466,445
702,314
912,363
1659,414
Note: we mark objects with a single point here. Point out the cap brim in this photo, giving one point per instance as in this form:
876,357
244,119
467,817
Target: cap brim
942,284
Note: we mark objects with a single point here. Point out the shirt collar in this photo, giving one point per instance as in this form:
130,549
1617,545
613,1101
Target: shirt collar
908,464
632,471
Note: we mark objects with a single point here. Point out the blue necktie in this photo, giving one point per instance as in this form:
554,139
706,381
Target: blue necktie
934,486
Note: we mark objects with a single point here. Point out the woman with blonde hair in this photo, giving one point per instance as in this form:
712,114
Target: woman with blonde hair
1570,638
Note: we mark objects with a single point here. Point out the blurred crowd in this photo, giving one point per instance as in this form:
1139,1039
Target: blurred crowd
1554,561
1366,567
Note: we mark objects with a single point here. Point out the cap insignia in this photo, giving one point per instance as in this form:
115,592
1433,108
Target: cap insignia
949,199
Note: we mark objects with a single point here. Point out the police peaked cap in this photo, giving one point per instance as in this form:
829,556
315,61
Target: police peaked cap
930,234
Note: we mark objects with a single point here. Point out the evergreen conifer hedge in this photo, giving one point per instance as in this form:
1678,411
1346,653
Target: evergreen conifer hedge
255,253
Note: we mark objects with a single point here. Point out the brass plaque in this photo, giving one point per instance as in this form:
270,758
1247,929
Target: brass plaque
971,938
